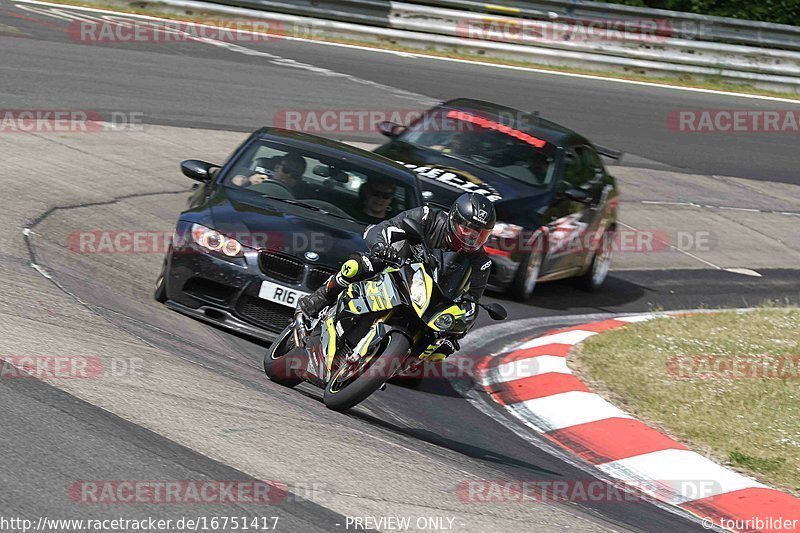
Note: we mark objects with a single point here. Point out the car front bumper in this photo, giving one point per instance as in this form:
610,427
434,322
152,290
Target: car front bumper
226,292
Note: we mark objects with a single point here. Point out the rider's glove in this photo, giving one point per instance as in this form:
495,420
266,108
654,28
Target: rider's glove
447,347
451,343
385,253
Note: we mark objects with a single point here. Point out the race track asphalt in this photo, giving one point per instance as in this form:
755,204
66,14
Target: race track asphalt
204,410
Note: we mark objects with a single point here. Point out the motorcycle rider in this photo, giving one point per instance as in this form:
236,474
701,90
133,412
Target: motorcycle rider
465,228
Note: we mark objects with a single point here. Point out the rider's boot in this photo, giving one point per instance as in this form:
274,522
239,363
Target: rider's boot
315,302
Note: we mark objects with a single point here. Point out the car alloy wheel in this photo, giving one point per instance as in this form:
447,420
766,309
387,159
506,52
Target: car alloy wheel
527,275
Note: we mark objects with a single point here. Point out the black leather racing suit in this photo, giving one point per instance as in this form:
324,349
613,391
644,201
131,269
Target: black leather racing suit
435,223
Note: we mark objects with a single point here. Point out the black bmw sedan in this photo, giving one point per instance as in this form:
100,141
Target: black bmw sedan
272,223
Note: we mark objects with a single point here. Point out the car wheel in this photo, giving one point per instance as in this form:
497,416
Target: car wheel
160,293
282,359
597,273
527,275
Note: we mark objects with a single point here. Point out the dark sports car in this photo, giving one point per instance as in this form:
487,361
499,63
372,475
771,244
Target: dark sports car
556,203
272,224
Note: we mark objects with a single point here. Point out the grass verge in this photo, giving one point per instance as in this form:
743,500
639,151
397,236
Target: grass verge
165,11
726,384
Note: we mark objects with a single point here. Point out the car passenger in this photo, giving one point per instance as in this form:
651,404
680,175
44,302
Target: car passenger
375,199
287,170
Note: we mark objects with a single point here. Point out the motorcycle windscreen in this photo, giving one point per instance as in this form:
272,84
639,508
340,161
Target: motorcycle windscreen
453,274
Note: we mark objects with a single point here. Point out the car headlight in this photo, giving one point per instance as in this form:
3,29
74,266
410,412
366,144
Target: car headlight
506,231
419,294
215,241
444,322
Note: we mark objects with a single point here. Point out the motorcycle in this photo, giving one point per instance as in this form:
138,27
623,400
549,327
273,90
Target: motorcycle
379,328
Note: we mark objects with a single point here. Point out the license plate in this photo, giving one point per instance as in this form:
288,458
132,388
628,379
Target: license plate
280,294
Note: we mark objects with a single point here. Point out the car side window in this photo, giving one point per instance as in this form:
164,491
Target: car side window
593,162
576,171
331,184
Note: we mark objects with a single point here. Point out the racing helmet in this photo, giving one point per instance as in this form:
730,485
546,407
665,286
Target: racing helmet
470,222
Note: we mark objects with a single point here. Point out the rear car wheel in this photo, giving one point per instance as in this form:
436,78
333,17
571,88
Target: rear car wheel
597,273
527,275
348,387
280,361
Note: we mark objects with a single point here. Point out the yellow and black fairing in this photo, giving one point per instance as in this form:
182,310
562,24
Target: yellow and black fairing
411,300
443,315
357,324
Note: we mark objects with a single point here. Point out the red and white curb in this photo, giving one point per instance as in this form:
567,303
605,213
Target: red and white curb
534,384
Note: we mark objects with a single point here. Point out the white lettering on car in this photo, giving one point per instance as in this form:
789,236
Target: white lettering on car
453,179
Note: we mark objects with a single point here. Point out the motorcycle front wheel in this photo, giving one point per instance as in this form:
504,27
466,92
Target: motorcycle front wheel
348,387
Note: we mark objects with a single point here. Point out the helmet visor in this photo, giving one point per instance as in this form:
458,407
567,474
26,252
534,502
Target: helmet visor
469,236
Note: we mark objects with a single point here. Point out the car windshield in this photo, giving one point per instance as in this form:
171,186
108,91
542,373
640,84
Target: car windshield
300,177
485,142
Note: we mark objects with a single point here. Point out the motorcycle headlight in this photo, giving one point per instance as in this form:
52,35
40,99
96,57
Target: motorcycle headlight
215,241
418,292
444,322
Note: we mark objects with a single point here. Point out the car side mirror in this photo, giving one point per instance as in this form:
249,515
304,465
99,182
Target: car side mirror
390,129
197,170
321,170
575,194
340,176
496,311
414,230
578,195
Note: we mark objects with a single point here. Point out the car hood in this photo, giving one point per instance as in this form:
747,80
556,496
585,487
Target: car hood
515,202
266,223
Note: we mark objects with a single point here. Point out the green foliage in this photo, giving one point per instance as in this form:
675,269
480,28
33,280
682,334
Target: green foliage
757,464
778,11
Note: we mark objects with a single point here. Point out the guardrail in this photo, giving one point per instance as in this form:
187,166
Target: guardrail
444,30
690,26
606,40
371,12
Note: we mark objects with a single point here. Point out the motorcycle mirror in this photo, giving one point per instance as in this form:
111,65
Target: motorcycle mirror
414,230
496,311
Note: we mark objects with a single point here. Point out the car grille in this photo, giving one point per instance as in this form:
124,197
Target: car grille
280,266
269,315
317,276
